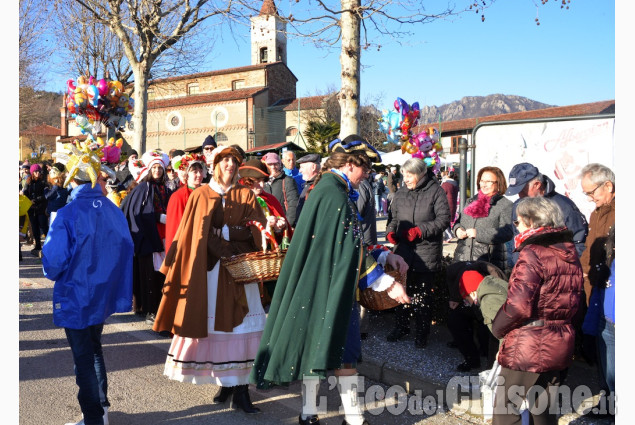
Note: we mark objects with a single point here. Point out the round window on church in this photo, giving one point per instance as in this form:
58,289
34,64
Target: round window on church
219,117
173,121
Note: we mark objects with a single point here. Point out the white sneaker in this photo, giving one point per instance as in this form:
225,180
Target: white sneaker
82,421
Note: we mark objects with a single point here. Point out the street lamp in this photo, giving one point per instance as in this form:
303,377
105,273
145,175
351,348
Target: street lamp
251,136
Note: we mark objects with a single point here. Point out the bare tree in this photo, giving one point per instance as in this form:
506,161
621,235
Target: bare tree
32,54
149,29
91,49
350,23
354,24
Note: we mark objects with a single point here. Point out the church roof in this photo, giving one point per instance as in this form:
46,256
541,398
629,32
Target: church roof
42,130
312,102
222,72
268,8
222,96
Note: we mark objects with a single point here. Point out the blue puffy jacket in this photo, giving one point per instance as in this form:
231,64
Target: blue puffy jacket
88,253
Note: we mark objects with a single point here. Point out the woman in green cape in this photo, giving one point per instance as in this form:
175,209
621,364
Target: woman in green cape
313,321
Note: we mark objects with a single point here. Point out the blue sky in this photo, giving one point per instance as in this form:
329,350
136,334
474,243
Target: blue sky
568,59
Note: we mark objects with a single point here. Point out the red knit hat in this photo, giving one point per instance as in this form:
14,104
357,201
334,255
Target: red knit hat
469,282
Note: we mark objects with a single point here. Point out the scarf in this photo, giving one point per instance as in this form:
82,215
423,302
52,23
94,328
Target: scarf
353,195
522,237
479,208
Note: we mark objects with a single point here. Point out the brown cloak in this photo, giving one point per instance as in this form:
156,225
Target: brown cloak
195,251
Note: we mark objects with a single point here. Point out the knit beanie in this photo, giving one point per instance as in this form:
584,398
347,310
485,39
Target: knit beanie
469,282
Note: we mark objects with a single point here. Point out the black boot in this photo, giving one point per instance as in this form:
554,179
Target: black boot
402,325
311,420
241,400
397,333
422,325
421,339
223,394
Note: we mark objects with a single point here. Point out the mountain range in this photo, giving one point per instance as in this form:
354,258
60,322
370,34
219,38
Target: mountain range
479,106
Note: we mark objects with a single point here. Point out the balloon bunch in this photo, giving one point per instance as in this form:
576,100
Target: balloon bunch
93,103
397,125
428,148
111,150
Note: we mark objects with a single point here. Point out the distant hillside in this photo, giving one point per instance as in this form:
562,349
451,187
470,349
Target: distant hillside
39,107
479,106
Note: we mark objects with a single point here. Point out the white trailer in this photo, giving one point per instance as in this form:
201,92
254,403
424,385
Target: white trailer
559,147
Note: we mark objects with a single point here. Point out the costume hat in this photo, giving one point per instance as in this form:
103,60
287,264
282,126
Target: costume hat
255,169
355,143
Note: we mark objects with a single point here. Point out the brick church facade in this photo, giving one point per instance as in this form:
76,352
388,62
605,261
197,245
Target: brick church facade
251,106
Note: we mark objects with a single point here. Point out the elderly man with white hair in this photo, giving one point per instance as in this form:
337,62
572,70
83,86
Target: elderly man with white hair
290,169
309,168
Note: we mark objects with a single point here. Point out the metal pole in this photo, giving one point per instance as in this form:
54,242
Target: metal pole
216,127
462,172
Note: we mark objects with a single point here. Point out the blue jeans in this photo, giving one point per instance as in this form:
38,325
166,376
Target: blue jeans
606,350
378,207
90,372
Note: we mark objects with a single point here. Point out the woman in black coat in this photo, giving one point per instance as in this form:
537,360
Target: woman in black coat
35,191
419,214
145,210
485,224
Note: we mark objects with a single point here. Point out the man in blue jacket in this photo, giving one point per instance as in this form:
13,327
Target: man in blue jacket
526,181
88,253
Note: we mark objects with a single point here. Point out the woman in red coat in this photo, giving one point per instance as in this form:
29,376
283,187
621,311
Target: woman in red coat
195,171
545,289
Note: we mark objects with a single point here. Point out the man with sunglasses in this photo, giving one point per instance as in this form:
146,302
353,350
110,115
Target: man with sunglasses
208,146
526,181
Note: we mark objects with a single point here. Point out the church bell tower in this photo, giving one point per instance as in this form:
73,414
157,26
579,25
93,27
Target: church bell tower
268,36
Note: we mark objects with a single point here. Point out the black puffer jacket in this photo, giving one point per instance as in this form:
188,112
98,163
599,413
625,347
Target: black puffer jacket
492,232
35,191
426,206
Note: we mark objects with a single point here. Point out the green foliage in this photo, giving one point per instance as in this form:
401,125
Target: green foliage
319,134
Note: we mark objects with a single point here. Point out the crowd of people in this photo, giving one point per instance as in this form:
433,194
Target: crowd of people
528,280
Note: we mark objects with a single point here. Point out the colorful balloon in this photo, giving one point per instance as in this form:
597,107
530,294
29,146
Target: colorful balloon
102,86
93,95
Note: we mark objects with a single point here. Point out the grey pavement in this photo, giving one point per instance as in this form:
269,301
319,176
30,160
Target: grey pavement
140,395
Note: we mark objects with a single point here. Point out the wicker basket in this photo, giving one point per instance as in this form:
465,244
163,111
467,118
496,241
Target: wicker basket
374,300
256,266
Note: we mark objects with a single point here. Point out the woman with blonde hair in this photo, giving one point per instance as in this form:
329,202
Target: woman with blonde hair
56,195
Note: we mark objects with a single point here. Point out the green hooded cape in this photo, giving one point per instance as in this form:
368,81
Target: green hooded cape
306,328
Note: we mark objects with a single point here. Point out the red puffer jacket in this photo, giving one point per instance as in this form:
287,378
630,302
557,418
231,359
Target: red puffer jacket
545,289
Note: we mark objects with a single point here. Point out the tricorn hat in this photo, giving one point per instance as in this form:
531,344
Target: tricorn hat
355,143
